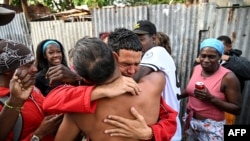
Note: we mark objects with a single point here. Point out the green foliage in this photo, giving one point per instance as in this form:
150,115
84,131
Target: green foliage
61,5
101,3
93,3
16,2
165,1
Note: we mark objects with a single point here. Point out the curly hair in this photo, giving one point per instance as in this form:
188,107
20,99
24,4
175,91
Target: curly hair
163,40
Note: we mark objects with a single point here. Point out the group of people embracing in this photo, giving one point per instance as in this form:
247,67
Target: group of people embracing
124,90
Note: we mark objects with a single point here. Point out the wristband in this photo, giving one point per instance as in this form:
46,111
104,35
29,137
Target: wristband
18,109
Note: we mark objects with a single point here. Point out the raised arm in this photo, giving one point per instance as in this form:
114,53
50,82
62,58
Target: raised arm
143,71
69,98
21,87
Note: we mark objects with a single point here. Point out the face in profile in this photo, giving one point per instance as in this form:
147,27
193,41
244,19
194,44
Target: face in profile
146,41
227,47
31,69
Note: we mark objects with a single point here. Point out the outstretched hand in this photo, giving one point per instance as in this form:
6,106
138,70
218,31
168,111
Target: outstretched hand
122,85
49,125
136,129
61,73
21,84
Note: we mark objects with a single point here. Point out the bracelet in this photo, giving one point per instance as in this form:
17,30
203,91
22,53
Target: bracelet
18,109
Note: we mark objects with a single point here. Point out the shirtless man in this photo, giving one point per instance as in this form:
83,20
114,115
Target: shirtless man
147,103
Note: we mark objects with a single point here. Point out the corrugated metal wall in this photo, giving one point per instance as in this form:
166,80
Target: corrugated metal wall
105,20
17,30
186,26
65,32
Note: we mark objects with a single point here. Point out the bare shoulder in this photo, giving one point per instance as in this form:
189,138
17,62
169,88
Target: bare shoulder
154,77
230,76
230,83
154,80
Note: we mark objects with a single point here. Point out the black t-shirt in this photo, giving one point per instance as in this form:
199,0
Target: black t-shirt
43,84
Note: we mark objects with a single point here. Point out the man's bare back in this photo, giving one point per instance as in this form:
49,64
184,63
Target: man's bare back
147,103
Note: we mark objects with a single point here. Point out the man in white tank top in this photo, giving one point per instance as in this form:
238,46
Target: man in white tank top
157,58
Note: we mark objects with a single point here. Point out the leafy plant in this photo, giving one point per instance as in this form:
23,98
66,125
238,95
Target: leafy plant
61,5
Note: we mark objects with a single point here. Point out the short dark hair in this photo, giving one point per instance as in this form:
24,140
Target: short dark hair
224,38
93,60
123,38
41,62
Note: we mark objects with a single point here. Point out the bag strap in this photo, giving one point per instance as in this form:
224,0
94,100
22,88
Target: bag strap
19,123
